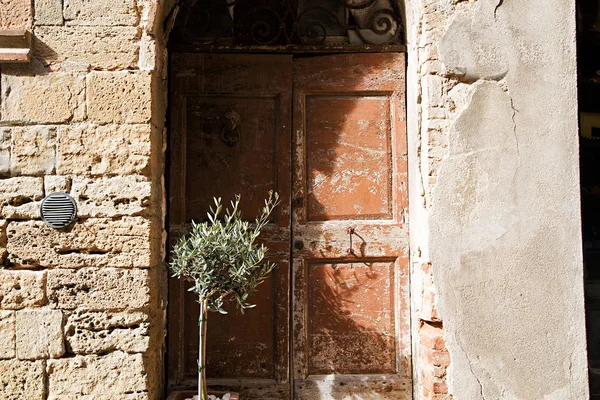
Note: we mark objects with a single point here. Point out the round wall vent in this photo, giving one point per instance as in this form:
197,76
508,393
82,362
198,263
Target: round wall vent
58,210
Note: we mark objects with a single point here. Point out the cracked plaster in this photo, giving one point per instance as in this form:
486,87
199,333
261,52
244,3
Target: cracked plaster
504,225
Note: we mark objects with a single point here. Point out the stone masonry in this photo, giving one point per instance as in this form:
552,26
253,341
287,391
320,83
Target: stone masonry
80,313
496,285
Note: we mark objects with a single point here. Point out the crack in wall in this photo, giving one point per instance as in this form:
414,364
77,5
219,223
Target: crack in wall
500,2
514,130
470,363
476,378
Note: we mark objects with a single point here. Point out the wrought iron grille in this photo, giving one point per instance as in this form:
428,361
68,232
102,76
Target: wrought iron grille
290,22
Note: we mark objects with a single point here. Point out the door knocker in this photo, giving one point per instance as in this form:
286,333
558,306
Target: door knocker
351,230
232,122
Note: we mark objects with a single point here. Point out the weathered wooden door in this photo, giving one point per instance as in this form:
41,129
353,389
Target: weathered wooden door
351,333
339,236
231,131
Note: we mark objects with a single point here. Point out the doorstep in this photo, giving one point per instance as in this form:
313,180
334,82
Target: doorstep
189,394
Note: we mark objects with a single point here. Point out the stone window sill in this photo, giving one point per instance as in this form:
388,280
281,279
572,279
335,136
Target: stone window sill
15,46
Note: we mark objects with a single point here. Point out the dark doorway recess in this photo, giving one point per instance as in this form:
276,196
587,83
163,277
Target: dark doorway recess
588,54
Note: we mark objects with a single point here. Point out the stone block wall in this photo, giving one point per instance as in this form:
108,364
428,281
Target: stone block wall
81,312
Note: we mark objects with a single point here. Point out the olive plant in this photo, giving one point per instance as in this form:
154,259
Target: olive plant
222,259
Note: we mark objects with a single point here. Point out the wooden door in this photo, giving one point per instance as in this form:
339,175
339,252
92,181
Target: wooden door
231,133
351,331
339,235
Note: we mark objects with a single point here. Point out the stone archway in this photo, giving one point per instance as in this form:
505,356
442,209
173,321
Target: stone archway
435,97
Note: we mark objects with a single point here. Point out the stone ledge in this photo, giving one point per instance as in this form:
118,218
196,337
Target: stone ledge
15,46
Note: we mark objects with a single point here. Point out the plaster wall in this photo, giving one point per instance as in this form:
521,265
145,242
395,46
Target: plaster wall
504,220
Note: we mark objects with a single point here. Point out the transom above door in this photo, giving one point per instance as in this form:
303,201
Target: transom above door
328,134
288,25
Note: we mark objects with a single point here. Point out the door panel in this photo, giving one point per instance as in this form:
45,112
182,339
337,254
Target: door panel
350,309
347,155
224,161
231,130
350,267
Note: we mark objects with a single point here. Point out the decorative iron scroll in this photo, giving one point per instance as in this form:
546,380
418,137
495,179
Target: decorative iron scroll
290,22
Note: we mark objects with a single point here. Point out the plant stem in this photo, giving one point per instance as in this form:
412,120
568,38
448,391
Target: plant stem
202,393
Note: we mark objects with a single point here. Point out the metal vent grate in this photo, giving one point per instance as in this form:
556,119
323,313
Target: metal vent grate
58,210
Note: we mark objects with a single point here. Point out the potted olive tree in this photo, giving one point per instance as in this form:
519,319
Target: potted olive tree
222,260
